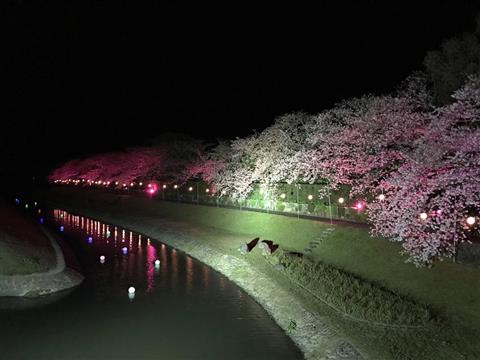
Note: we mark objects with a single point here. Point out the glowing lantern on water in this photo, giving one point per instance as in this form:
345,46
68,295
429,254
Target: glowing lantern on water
471,220
102,259
423,216
283,196
131,290
124,250
310,197
190,188
341,200
381,197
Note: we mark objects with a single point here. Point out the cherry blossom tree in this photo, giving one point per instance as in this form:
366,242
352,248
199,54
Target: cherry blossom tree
430,197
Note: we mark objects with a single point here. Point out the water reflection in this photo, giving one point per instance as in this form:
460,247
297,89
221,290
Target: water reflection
181,309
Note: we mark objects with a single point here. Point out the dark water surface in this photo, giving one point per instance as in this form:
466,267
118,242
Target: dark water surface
181,309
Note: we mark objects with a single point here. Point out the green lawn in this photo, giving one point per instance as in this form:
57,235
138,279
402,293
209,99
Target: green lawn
24,249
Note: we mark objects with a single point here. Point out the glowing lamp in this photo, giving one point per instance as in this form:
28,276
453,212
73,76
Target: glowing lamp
90,239
39,211
131,290
62,228
131,184
341,200
381,197
107,233
157,262
124,250
17,201
102,259
42,220
141,184
207,190
116,182
26,206
35,204
310,197
164,186
152,188
359,206
190,188
283,195
175,186
471,220
423,216
124,185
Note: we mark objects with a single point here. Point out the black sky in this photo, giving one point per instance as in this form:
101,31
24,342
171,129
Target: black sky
87,76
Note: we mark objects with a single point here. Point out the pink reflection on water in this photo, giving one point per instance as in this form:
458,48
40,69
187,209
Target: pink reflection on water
151,257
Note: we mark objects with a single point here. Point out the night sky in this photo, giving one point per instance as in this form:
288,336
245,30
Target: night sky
87,76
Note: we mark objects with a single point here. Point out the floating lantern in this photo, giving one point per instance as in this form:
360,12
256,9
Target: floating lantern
90,239
26,206
39,211
207,190
62,228
124,250
131,290
175,186
35,204
423,216
310,197
190,188
131,184
42,220
141,184
157,262
102,259
471,220
341,200
164,186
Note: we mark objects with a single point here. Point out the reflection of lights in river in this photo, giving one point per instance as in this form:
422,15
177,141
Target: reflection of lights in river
102,259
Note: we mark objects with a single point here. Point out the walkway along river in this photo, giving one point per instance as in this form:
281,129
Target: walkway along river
181,309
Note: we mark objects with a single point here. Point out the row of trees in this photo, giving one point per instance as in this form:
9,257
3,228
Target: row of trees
415,165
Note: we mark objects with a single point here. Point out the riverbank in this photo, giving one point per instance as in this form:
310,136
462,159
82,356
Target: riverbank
31,261
289,291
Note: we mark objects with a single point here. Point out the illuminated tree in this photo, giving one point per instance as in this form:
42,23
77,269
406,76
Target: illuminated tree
429,198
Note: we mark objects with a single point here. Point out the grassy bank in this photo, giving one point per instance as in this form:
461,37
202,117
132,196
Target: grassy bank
360,285
24,249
